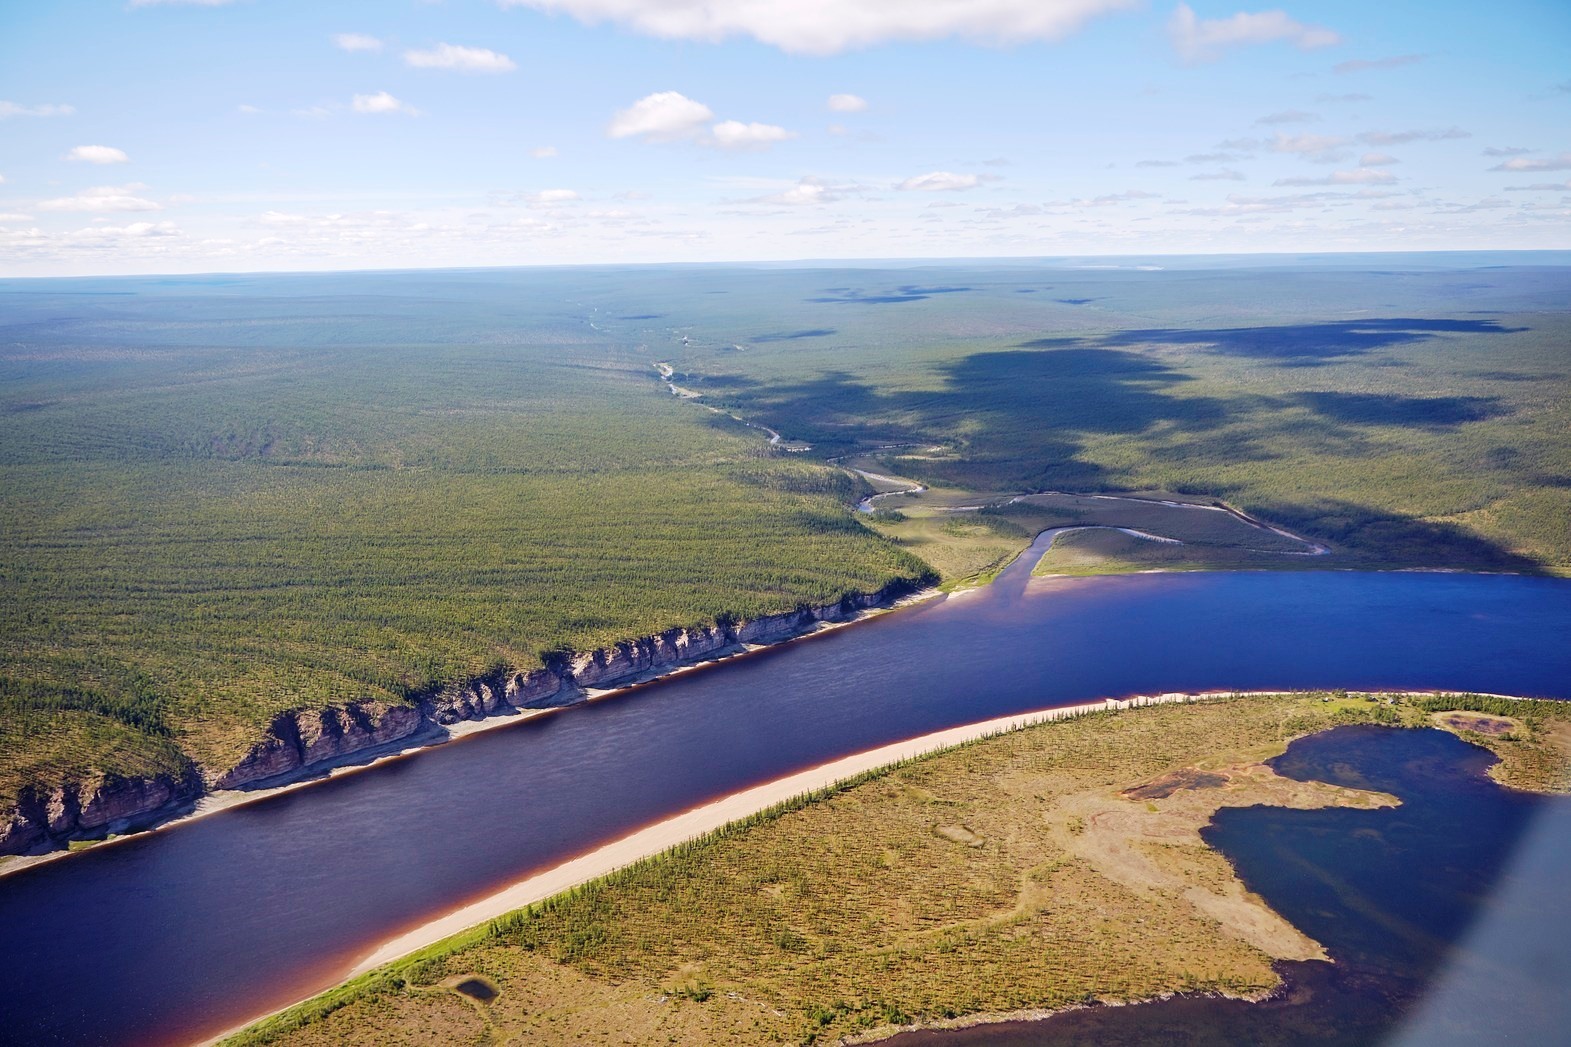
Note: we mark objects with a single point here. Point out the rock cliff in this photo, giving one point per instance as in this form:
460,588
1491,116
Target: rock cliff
94,807
300,740
314,736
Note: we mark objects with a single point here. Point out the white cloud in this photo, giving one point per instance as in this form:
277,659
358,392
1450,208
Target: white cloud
824,27
103,198
13,216
734,134
98,241
1118,198
1540,187
1224,175
665,116
10,109
1017,211
97,154
543,152
1403,137
1204,40
806,192
939,181
847,103
551,197
1377,160
133,230
381,102
1509,150
460,59
1289,116
1362,176
247,110
356,42
1360,65
1524,163
1319,148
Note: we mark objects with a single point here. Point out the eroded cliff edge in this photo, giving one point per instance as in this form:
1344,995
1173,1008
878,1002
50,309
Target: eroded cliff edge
303,742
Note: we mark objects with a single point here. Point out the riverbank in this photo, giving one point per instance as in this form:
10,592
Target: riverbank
481,705
690,825
1117,796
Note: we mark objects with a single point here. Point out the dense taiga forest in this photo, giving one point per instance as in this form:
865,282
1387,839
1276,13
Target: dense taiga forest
228,497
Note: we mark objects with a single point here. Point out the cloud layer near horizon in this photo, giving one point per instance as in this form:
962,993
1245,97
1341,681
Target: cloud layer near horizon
824,27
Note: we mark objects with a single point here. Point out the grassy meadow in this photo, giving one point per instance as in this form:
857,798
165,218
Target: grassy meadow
1030,871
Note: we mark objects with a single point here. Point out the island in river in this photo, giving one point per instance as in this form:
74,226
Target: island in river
1034,872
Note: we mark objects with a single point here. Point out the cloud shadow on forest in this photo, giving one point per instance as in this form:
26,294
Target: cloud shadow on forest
792,336
905,293
1025,417
1291,345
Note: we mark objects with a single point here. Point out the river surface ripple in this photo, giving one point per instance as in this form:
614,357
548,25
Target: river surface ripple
182,933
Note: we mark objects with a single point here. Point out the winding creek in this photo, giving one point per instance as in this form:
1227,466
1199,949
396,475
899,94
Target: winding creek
176,935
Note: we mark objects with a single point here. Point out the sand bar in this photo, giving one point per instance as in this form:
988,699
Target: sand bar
663,835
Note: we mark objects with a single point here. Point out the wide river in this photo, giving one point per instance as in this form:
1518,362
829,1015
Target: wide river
179,934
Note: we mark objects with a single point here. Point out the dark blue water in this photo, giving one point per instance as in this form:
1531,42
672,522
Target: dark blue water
185,932
1447,918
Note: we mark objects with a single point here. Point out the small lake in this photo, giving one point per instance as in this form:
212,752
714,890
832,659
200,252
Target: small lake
1447,917
179,934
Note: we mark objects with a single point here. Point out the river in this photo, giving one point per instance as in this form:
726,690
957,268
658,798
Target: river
178,934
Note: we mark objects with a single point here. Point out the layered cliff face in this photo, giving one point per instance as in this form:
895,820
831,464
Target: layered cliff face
300,740
314,736
607,665
92,808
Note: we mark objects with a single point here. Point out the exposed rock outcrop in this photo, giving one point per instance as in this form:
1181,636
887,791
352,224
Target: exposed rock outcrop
299,740
93,808
314,736
532,689
110,802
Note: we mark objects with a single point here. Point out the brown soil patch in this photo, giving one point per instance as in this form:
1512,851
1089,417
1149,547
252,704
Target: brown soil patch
1156,848
1478,723
1168,784
960,834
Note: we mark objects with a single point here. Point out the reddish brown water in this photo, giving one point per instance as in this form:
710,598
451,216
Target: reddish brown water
180,934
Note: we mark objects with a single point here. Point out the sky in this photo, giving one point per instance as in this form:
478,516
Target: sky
181,136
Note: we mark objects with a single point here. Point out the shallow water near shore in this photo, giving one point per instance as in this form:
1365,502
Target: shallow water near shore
1446,917
180,934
